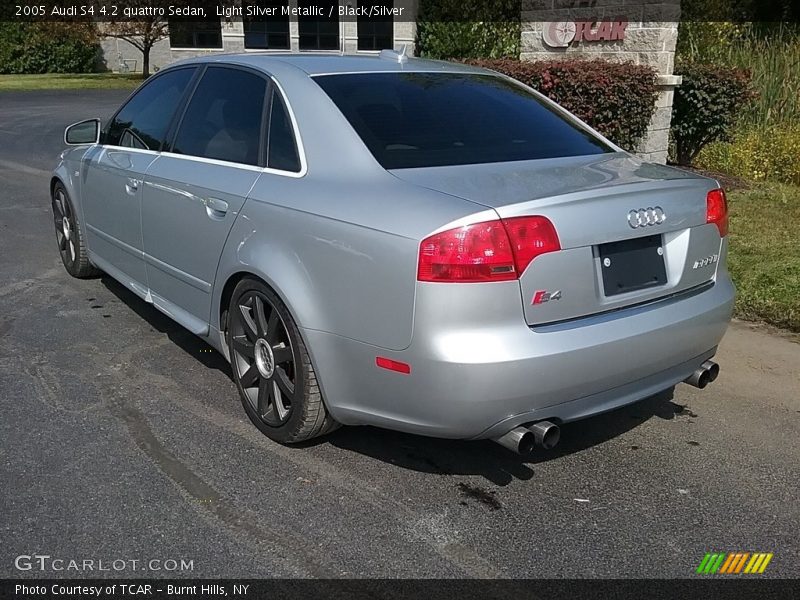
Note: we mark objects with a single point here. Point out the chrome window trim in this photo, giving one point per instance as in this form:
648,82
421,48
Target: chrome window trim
128,149
213,161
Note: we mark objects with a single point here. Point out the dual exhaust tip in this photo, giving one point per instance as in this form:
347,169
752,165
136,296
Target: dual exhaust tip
523,440
705,374
545,435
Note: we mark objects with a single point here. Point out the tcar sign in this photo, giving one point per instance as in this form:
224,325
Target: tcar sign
561,34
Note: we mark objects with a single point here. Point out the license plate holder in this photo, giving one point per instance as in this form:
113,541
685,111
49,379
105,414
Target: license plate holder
632,265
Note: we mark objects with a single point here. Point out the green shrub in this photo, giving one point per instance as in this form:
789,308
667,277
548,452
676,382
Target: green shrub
617,99
770,51
454,29
48,47
706,107
759,154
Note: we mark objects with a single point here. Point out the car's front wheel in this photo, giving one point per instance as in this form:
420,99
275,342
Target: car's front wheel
71,244
272,368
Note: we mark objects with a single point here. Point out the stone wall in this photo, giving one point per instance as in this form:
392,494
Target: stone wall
646,42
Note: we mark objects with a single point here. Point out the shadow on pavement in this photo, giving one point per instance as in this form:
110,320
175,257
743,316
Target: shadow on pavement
489,460
181,337
424,454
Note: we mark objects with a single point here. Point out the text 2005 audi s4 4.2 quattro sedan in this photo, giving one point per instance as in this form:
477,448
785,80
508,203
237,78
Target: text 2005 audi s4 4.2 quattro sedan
418,245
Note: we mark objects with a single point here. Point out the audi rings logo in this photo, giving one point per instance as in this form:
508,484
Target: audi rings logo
646,216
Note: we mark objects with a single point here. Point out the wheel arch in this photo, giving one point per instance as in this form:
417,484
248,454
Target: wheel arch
53,181
62,176
226,293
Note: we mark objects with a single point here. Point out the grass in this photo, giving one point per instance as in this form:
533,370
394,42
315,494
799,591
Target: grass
764,256
774,65
62,81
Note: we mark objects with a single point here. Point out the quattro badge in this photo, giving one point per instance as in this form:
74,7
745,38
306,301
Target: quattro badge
704,262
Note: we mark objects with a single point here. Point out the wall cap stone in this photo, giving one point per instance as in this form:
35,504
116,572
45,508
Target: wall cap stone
669,80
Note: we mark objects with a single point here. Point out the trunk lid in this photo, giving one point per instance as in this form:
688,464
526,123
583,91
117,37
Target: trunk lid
589,200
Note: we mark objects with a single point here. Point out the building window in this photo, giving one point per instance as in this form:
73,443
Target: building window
377,32
319,32
266,33
195,34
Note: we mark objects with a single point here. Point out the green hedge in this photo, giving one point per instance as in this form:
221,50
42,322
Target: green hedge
48,48
456,29
617,99
707,105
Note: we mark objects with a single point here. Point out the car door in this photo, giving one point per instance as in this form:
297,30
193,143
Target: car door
113,172
193,193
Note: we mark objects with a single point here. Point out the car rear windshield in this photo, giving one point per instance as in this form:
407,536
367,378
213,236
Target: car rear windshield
437,119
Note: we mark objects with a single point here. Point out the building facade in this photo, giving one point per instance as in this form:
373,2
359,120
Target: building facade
296,32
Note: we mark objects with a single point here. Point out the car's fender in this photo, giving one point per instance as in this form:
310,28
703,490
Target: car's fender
70,171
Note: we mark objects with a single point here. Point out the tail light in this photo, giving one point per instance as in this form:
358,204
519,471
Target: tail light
717,210
490,251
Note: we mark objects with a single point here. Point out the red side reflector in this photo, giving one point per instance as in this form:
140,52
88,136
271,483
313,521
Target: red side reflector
393,365
717,210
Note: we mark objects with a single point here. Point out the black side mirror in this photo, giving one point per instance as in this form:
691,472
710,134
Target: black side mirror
85,132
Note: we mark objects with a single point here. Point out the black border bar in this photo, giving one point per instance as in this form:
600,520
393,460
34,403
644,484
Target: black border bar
701,587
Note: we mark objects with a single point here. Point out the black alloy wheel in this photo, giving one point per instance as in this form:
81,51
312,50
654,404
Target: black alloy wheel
272,368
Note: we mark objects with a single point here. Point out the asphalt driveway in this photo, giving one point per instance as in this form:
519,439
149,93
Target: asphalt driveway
122,438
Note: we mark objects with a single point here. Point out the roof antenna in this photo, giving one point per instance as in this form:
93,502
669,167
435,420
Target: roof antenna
400,57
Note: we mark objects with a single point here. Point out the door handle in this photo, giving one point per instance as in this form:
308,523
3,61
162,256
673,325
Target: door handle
215,207
132,185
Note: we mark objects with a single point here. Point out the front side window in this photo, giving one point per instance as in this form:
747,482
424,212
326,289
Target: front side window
318,32
195,34
376,32
142,123
282,150
224,117
437,119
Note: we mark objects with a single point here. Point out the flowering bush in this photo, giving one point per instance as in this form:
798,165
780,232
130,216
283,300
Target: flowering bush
617,99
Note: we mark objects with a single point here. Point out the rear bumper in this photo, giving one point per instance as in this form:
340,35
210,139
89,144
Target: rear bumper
477,373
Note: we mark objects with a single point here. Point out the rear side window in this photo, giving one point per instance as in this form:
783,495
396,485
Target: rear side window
224,117
282,151
142,123
436,119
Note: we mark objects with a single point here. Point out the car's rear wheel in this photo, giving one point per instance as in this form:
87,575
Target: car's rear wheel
272,368
71,245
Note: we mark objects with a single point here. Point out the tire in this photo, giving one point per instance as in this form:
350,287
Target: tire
71,245
271,367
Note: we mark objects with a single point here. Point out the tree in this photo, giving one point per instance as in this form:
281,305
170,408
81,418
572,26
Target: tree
142,33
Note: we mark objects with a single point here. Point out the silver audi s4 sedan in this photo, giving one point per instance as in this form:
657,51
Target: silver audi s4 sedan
417,245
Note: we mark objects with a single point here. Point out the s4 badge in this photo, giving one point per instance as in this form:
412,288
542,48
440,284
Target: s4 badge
542,296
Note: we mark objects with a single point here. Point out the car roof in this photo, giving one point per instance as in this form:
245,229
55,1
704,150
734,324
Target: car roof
328,64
